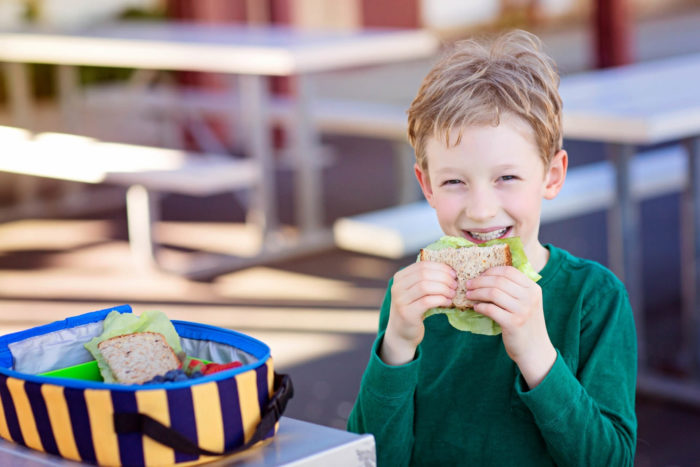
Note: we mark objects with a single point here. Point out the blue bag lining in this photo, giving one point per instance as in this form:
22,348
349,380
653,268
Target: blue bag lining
54,350
205,332
35,335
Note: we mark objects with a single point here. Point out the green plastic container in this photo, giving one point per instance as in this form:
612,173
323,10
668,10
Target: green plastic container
88,371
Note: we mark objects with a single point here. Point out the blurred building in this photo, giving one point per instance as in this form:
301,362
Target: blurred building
448,17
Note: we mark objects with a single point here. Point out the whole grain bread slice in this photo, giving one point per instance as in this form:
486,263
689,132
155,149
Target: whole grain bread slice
138,357
469,262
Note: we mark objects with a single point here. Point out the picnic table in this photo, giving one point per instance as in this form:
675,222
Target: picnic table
252,55
630,107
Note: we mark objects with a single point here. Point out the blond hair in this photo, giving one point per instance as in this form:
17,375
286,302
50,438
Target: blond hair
476,84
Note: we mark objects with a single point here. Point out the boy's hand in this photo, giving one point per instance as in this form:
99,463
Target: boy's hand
416,289
514,301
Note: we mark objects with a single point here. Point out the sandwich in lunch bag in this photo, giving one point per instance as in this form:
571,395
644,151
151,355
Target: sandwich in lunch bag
53,398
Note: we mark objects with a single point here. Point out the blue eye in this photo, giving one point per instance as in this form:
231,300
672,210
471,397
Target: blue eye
452,182
507,178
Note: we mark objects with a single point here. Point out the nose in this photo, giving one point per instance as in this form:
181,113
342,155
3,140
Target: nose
482,204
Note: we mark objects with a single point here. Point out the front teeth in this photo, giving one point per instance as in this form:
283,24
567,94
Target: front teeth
486,236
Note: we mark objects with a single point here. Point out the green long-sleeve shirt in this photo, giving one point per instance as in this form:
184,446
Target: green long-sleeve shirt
462,400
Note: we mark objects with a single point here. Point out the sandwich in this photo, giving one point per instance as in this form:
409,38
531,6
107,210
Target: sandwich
122,325
137,357
470,260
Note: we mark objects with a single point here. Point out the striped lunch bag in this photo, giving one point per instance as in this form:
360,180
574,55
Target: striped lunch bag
77,416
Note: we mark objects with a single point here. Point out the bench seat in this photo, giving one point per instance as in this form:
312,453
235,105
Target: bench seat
145,171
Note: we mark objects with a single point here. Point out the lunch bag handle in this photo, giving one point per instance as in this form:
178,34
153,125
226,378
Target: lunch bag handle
141,423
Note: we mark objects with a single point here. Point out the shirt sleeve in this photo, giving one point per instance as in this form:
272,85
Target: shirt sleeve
385,403
586,414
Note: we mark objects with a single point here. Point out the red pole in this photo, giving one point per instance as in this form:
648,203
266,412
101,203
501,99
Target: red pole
391,13
613,30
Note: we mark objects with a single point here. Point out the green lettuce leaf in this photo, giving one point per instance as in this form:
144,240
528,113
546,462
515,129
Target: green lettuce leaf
117,324
468,319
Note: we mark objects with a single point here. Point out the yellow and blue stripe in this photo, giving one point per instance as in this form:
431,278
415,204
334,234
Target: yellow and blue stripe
75,423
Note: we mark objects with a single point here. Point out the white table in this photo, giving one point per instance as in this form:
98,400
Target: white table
643,104
251,53
144,172
297,443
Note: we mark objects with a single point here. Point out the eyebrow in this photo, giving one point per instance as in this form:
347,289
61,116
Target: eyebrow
448,169
508,167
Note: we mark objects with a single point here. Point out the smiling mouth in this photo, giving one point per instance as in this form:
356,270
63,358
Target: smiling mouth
486,236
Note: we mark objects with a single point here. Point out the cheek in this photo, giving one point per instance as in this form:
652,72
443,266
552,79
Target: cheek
524,204
447,206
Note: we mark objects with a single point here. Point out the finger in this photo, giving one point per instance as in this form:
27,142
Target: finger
511,273
412,287
413,313
495,296
433,301
429,288
496,313
434,264
431,267
426,270
496,282
424,273
507,278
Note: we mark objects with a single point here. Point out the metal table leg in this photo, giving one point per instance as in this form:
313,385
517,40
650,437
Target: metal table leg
308,205
19,95
262,211
624,242
404,159
690,259
67,79
142,212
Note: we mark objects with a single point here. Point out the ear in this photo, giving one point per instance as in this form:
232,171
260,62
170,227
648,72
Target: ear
424,182
555,175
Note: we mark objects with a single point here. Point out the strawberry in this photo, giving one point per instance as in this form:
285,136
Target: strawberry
210,368
194,365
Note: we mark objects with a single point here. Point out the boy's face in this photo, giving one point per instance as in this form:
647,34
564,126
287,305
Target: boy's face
491,184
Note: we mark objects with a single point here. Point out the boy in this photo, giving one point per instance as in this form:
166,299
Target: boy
557,386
